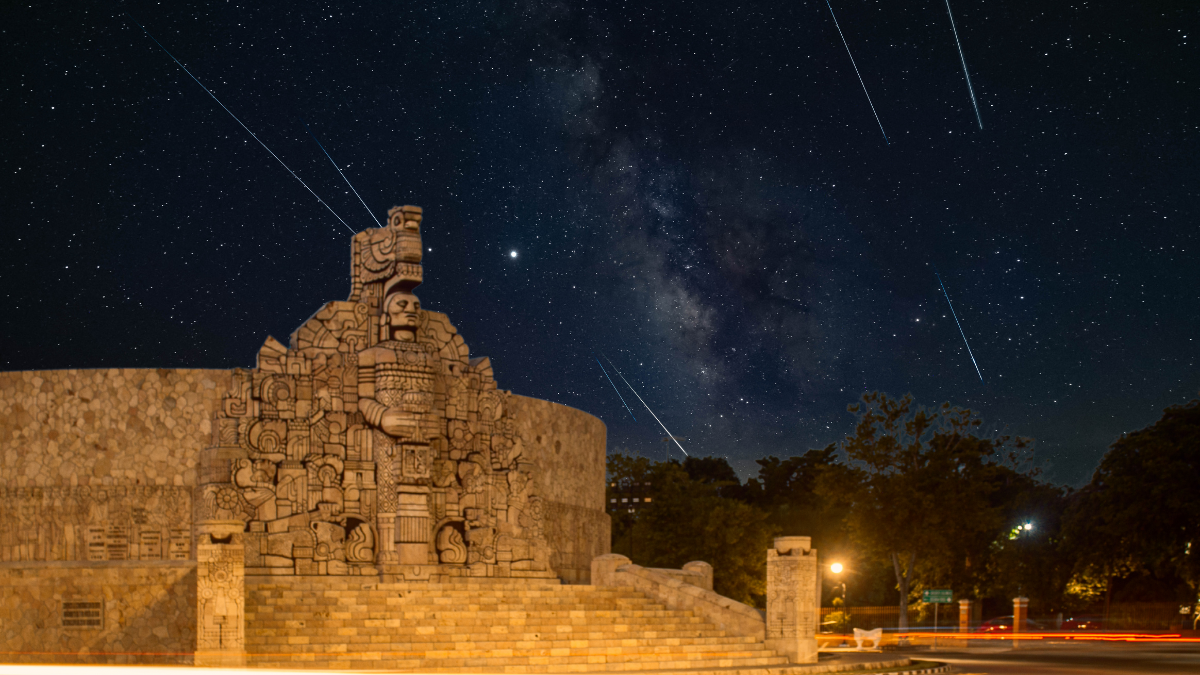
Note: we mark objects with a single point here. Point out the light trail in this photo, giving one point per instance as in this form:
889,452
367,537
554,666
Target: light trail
614,386
960,328
860,80
339,170
614,367
235,118
964,62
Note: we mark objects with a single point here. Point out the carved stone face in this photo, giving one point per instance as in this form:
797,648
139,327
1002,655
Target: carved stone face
401,313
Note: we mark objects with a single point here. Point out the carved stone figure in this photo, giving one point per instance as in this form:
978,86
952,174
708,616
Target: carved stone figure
372,443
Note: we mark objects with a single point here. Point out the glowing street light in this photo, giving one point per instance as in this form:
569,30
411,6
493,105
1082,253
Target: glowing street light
837,568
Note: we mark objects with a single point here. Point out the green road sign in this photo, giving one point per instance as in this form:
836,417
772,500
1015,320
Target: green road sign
936,595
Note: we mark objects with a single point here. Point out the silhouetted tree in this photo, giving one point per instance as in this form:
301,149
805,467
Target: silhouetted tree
922,492
1141,511
690,520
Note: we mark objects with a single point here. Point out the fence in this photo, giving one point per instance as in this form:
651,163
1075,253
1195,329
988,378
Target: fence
1142,616
868,618
1122,616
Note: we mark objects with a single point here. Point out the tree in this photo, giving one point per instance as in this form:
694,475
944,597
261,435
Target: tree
1141,510
787,489
1027,556
689,519
921,498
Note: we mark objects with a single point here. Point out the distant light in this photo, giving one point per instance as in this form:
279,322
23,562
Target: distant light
836,568
1028,526
512,254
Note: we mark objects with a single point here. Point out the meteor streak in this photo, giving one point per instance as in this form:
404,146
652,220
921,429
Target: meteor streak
235,118
964,62
339,170
960,328
860,80
614,386
614,367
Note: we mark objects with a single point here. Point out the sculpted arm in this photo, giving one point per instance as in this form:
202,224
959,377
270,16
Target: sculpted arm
371,409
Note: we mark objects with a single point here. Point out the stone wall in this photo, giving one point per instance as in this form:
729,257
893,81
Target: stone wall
99,464
131,612
568,447
119,426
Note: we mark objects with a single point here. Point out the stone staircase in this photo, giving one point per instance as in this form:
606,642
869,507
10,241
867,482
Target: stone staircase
482,626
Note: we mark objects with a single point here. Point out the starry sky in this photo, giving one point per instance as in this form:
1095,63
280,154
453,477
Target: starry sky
698,191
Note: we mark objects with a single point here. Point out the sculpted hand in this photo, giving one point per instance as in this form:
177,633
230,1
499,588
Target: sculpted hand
396,424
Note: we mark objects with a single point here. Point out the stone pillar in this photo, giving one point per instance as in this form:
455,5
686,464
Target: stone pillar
964,615
220,595
793,599
1020,614
387,539
704,570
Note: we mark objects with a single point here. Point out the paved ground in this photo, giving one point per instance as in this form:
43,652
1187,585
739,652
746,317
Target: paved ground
1082,659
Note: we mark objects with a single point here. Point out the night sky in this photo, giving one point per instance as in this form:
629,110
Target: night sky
699,191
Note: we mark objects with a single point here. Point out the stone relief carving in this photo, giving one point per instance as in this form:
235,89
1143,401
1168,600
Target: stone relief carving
129,522
219,599
793,599
372,443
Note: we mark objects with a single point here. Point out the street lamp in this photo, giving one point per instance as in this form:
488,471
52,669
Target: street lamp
837,568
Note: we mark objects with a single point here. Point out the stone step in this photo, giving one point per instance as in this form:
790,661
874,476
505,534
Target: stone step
535,640
451,642
541,664
517,633
402,614
614,631
402,604
408,591
359,583
295,645
485,633
482,627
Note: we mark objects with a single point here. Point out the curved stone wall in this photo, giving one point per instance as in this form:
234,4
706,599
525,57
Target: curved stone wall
114,426
568,447
99,464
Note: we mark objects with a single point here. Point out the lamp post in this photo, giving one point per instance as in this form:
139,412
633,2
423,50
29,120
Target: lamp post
837,568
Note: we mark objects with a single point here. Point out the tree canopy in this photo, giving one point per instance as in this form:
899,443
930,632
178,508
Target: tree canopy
1141,510
919,497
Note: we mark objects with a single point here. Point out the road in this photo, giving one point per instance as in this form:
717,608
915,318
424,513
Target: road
1082,659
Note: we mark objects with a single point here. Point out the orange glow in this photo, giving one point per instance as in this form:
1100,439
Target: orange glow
1090,636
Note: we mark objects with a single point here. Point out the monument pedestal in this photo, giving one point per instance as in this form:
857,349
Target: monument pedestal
793,599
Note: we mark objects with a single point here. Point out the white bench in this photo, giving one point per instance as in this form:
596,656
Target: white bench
861,636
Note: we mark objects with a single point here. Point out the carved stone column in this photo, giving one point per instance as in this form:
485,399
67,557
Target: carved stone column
387,539
793,599
220,596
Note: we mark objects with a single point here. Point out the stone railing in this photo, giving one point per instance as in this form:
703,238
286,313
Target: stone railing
688,589
696,573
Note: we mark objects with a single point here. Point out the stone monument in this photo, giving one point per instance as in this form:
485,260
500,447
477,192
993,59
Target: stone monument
139,507
372,444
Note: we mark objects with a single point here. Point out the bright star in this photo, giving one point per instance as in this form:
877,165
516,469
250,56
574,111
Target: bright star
512,254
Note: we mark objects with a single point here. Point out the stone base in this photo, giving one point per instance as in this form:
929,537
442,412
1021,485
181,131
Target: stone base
352,570
797,650
449,573
220,659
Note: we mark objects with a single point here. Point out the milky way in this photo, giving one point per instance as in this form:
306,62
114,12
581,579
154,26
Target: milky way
694,189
